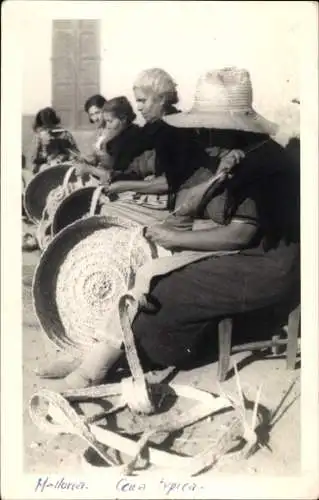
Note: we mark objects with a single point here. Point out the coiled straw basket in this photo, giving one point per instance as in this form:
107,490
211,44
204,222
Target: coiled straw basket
81,275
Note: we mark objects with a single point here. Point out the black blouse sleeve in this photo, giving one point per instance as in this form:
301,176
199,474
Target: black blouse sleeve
274,188
131,144
180,155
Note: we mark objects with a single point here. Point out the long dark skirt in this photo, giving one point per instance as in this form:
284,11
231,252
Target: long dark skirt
189,300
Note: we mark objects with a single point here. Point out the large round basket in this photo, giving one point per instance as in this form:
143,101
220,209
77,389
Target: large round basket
36,193
81,275
75,206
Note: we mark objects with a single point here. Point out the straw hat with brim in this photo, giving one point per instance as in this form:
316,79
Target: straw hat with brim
223,100
36,193
81,275
72,208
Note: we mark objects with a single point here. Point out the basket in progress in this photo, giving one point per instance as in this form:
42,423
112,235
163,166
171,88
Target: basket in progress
81,275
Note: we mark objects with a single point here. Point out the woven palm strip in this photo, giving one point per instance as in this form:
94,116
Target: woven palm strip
64,419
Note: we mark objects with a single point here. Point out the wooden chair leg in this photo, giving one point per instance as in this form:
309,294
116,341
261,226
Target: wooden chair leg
293,334
224,342
275,349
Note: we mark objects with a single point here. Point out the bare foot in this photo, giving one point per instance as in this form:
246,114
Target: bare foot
74,380
58,369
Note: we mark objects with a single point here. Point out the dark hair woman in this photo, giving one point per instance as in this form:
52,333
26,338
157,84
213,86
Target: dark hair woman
54,144
93,107
120,108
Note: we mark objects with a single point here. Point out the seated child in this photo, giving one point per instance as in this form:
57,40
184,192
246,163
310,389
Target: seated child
120,132
54,144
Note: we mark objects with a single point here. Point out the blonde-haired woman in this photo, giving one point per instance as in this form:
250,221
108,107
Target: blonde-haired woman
156,94
177,152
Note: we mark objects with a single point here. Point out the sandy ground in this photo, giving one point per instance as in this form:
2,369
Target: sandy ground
45,453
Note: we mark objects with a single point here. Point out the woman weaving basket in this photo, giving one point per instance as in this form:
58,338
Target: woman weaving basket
151,161
177,152
237,216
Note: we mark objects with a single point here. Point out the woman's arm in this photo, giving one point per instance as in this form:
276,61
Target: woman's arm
106,161
158,185
235,236
102,174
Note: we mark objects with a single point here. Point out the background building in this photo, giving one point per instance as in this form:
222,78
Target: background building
67,60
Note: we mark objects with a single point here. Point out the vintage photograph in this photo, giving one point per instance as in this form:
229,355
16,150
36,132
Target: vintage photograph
160,240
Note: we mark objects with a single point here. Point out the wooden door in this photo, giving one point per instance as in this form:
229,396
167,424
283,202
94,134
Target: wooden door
75,68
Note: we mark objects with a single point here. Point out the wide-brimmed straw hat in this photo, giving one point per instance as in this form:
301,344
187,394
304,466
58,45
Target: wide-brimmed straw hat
223,100
81,275
36,193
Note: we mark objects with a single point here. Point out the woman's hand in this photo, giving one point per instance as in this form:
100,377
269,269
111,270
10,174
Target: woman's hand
104,176
89,159
162,236
230,160
80,158
82,169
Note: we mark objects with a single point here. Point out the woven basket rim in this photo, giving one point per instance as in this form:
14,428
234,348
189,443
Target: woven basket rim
78,193
31,203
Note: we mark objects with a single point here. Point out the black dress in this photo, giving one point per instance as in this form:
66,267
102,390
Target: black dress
119,148
178,152
190,299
